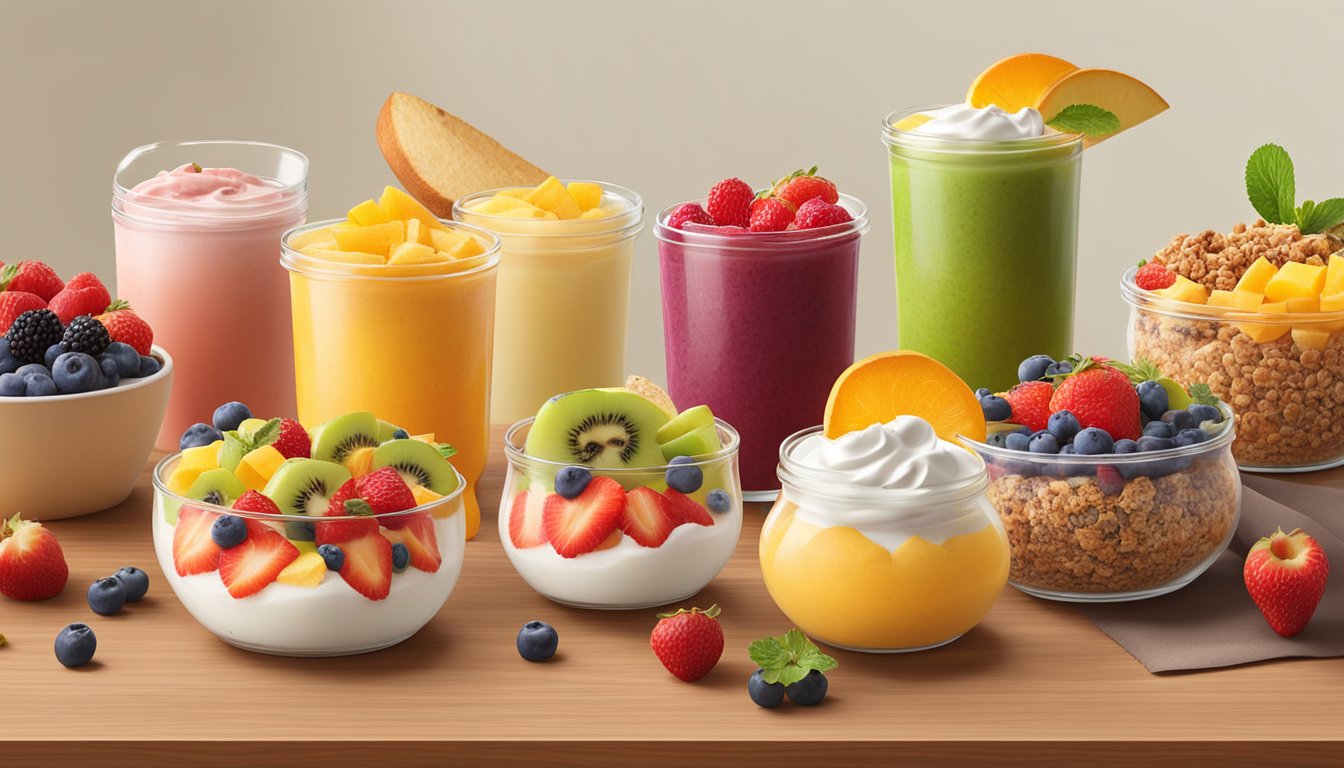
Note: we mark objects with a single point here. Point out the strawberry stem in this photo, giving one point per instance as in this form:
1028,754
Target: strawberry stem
712,611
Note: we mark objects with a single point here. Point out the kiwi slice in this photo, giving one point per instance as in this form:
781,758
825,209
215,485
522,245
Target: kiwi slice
304,487
688,420
603,428
418,464
698,442
217,486
343,434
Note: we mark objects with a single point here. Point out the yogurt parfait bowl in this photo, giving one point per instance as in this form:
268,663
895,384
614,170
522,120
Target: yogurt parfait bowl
597,514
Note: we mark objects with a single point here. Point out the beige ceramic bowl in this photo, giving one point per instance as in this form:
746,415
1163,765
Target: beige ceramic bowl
70,455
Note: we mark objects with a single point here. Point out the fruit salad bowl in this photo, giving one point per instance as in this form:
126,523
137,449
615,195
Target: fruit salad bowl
298,585
1115,526
35,446
625,537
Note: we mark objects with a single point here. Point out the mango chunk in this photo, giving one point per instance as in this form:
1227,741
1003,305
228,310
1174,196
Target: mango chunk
1310,338
397,205
414,253
181,480
1244,301
345,257
424,495
377,238
1334,275
1263,333
201,457
418,232
1295,280
1332,302
1257,276
367,213
307,570
1299,304
312,237
498,204
1185,289
587,194
595,213
517,192
425,437
257,466
550,195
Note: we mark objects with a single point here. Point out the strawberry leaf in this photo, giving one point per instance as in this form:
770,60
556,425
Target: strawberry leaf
1201,393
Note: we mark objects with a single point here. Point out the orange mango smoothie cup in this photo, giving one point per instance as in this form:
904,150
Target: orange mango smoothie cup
410,343
563,297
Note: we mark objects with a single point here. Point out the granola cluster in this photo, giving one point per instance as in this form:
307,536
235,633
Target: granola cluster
1218,260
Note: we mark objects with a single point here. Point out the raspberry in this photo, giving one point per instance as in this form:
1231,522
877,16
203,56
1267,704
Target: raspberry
688,212
819,213
729,203
1153,276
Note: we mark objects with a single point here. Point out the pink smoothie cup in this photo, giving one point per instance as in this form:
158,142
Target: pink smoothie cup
757,326
205,273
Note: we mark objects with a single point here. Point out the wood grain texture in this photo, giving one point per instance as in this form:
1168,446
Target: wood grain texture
1035,684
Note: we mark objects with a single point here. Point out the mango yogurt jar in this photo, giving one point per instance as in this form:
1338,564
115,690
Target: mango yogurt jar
882,540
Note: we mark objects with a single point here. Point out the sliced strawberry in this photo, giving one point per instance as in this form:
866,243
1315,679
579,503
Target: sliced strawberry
526,529
368,565
648,517
684,509
193,549
353,526
578,525
417,534
247,568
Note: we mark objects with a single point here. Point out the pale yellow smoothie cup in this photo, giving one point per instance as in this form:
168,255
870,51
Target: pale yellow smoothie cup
563,297
409,343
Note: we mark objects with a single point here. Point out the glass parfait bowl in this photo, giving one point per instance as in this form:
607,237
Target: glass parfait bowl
1115,527
324,615
621,573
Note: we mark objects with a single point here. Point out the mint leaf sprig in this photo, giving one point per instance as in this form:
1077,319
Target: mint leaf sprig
789,658
1271,187
1087,119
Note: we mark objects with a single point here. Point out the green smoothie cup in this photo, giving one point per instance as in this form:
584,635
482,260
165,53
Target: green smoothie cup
986,236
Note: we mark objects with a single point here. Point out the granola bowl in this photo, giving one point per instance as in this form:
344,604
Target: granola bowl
1282,373
1115,527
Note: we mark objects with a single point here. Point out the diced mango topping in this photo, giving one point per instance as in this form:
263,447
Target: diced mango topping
1185,289
202,457
1311,338
1334,276
415,253
394,230
549,201
367,213
258,465
375,238
307,570
399,206
587,194
1257,276
1239,300
1295,280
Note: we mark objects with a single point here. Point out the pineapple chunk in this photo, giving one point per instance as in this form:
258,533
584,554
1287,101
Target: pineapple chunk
1185,289
498,204
1257,276
344,257
378,238
181,480
202,457
1262,333
367,213
414,253
1295,280
1244,301
399,206
1334,275
257,466
1310,338
322,237
307,570
417,232
587,194
551,195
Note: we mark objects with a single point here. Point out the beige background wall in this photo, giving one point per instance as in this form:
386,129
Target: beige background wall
665,98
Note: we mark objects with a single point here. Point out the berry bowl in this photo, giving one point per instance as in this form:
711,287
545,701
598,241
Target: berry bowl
1114,526
620,538
295,585
36,433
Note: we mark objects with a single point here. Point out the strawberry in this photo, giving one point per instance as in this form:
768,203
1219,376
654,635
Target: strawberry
578,525
32,277
1285,574
802,186
1153,276
70,304
368,565
416,533
88,280
15,303
247,568
770,214
729,202
293,441
252,501
346,503
688,643
193,549
385,491
684,509
1099,396
688,212
125,326
1031,403
648,517
32,566
818,213
525,520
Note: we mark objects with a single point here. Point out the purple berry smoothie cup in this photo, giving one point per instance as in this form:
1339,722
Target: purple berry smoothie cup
758,325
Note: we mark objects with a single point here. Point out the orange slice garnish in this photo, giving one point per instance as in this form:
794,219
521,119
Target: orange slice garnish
1130,99
877,389
1017,81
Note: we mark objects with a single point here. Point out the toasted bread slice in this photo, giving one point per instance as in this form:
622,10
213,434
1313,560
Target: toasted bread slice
650,391
439,157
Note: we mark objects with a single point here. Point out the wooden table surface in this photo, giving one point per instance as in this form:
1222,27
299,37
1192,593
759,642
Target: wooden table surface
1034,684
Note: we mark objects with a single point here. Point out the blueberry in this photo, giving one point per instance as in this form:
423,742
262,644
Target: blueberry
1125,446
228,531
135,581
537,641
53,352
1016,441
8,362
982,393
1180,419
1148,443
996,408
229,415
1190,436
1063,425
768,695
12,385
333,556
1203,413
33,369
1043,442
111,374
1159,429
1152,399
401,557
570,481
76,372
107,596
127,359
1093,442
400,434
1066,450
1033,368
682,475
1059,369
718,501
997,439
148,367
39,385
809,691
75,645
197,435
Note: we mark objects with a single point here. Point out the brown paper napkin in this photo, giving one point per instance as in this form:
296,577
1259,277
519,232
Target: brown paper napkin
1212,622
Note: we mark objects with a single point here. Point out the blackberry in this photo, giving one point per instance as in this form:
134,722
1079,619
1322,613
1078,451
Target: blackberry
32,333
84,334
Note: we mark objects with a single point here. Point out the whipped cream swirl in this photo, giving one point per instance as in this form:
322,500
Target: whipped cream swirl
902,454
962,121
